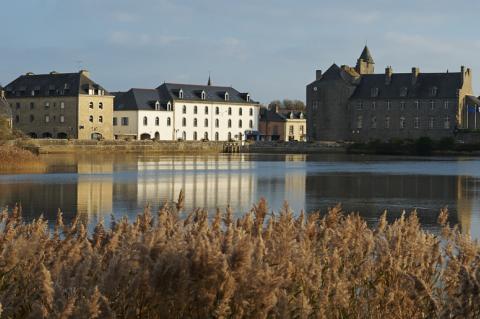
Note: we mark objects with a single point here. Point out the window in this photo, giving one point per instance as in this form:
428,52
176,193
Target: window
301,129
47,105
250,112
416,122
417,104
145,121
90,118
229,111
195,109
157,106
359,105
62,119
217,123
205,136
402,105
100,105
446,124
240,111
217,110
203,95
184,122
90,105
250,124
169,106
180,94
32,105
100,119
195,122
216,136
432,105
229,123
402,122
157,121
388,105
184,135
229,136
206,109
194,136
114,121
62,105
387,122
32,118
169,121
17,118
403,91
445,105
431,123
374,105
124,121
290,129
239,123
374,92
184,109
227,97
433,91
374,122
248,97
359,122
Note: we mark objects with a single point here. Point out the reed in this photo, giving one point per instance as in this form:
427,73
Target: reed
15,159
262,265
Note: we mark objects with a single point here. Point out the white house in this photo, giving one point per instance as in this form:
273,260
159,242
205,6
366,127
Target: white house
140,114
209,112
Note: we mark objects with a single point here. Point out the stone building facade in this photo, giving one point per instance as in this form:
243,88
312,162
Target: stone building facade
356,104
61,105
282,126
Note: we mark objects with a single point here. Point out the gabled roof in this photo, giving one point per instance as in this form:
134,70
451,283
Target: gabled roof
446,84
366,56
53,84
171,91
273,116
138,99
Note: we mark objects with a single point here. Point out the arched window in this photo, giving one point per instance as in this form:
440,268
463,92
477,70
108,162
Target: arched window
157,106
194,136
157,121
206,122
203,95
180,94
90,118
195,109
240,111
169,121
217,110
216,136
227,97
145,121
217,122
251,112
250,124
184,109
205,136
229,111
90,105
206,109
240,123
195,122
100,105
100,119
229,123
184,122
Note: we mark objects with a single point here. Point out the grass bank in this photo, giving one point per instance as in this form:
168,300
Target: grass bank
259,266
18,160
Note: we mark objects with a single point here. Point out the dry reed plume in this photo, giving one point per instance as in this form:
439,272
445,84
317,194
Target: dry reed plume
15,159
259,266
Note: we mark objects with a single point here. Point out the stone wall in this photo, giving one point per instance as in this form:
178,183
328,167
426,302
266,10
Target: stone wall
294,147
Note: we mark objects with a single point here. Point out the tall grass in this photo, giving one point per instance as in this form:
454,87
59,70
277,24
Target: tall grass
15,159
262,265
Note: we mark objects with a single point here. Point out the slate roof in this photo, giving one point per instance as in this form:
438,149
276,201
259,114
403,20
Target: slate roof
53,84
138,99
472,100
272,116
447,85
366,56
170,91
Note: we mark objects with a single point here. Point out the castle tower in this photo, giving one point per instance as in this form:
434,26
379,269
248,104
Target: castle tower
365,64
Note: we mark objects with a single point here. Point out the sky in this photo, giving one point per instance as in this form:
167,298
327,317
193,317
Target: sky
269,48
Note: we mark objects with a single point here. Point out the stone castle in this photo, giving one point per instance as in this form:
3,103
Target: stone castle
355,104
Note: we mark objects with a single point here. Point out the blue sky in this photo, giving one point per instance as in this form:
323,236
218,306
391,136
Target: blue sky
268,48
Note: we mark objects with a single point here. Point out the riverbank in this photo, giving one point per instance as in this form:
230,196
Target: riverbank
17,160
187,265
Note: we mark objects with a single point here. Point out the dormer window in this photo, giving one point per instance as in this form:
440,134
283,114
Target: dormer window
374,92
169,106
403,91
157,106
180,94
433,91
301,115
248,97
203,95
227,97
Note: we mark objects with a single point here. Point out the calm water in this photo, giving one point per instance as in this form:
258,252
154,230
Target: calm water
97,186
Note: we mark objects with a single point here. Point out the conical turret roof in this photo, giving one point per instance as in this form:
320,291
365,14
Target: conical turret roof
366,56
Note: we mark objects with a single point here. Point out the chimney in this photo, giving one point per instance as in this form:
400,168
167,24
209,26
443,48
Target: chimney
85,72
462,69
415,72
318,74
388,75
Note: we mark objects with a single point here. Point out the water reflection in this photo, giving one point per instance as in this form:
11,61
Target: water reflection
101,185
